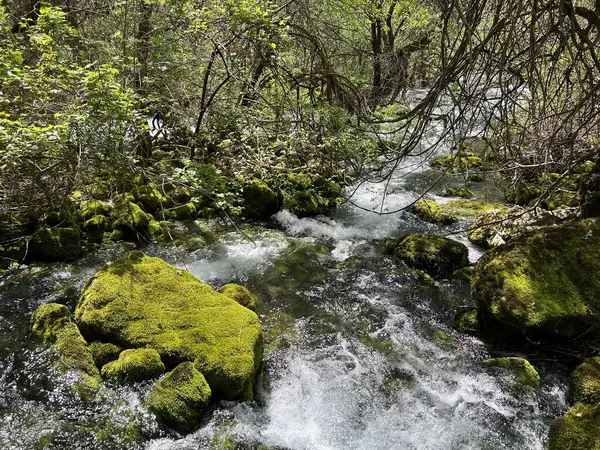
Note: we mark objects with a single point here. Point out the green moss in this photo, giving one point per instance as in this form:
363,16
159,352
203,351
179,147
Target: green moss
104,352
240,294
523,375
260,202
145,302
56,244
430,211
444,338
585,382
466,273
434,254
130,219
578,429
183,212
96,223
491,228
134,365
150,197
91,208
468,209
462,192
467,322
459,162
182,195
541,283
52,324
180,398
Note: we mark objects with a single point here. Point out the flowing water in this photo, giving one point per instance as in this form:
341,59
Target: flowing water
360,352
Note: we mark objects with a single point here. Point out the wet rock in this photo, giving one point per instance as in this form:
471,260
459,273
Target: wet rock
578,429
51,323
542,284
434,254
309,195
143,302
56,244
466,321
260,202
240,294
585,382
522,374
180,398
430,211
134,365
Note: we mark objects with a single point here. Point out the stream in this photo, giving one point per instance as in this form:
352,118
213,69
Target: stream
360,352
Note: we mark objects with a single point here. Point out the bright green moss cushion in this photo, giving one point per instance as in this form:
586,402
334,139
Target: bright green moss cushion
143,302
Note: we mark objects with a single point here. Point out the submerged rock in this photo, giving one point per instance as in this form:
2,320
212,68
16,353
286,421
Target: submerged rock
522,374
585,382
543,283
56,244
134,365
51,323
430,211
180,398
240,294
434,254
143,302
578,429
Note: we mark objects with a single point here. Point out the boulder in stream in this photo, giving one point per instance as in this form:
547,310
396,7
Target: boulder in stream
56,244
134,365
436,255
578,429
585,382
430,211
180,398
240,294
522,376
52,324
544,283
143,302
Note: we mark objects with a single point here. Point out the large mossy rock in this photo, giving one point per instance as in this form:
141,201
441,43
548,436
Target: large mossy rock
180,398
51,323
430,211
56,244
436,255
134,365
143,302
130,219
585,382
521,374
470,209
150,197
260,202
544,283
309,195
91,208
578,429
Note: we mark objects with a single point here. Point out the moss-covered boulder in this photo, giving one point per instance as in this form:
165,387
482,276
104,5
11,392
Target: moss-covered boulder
240,294
260,202
180,398
462,161
462,192
521,374
91,208
183,212
466,321
578,429
130,219
307,204
51,323
134,365
430,211
469,209
543,283
104,352
585,382
143,302
436,255
96,223
56,244
150,197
